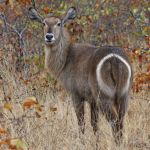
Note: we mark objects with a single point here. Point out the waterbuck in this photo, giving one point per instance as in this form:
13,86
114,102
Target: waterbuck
100,75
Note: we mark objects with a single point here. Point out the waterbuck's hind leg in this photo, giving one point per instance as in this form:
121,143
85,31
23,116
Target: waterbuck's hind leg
78,103
108,108
115,115
94,116
121,107
117,126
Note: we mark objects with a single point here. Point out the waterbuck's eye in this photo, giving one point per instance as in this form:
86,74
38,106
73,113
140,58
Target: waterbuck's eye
58,24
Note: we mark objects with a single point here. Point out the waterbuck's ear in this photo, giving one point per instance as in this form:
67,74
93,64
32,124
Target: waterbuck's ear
71,14
34,15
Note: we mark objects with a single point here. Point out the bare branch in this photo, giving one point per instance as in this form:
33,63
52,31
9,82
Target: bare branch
136,17
2,16
2,1
13,29
33,4
23,30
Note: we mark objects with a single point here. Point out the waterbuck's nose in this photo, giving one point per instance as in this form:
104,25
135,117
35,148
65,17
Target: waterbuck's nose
49,37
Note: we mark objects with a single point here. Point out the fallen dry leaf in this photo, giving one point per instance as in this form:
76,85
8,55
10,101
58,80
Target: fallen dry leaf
2,131
38,108
8,106
19,144
29,102
53,109
15,144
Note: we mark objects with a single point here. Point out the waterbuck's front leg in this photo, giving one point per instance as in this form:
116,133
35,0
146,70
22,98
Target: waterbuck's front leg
78,103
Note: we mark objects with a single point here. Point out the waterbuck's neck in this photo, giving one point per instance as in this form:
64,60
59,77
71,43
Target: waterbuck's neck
56,55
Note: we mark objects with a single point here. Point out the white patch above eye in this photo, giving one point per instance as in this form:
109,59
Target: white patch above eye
57,24
44,22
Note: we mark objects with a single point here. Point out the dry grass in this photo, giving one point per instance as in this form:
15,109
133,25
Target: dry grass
57,129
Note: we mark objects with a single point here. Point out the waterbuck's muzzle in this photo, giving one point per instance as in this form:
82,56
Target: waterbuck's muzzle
49,38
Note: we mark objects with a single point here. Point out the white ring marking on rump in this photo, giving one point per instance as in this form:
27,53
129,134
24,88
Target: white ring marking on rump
104,87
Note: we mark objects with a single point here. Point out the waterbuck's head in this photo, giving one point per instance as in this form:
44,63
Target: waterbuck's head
53,26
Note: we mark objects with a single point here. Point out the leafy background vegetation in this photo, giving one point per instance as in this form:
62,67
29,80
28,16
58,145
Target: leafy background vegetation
35,111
